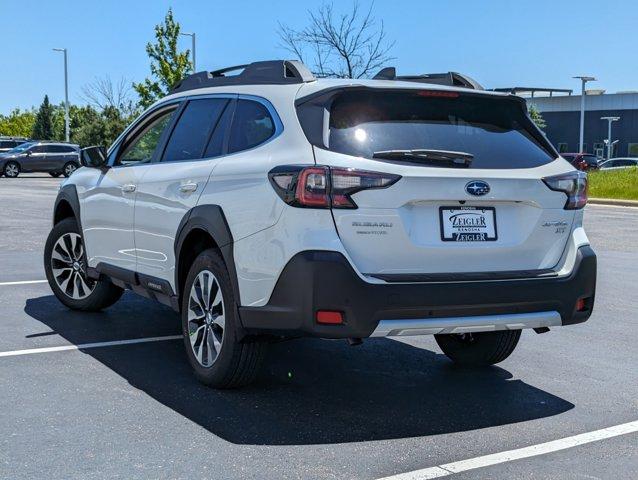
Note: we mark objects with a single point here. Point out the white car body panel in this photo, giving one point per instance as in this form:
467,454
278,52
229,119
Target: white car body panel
137,231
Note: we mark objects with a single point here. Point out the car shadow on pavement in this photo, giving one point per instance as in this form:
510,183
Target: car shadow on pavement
310,391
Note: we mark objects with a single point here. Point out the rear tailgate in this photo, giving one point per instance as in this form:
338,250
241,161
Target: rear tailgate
495,215
400,229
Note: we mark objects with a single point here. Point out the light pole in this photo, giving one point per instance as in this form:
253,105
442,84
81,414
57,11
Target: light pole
584,80
609,142
67,133
192,35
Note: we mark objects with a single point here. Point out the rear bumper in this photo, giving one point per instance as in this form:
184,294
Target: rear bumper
323,280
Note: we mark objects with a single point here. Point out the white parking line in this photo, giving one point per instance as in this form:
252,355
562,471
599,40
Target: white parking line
62,348
526,452
23,282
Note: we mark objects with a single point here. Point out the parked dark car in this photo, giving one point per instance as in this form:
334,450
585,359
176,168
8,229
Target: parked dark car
49,157
582,161
7,143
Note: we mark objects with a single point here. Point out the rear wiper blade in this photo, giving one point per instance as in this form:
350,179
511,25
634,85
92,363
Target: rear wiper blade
426,155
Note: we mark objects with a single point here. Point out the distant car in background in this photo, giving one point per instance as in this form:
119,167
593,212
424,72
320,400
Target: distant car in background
54,158
582,161
7,143
616,163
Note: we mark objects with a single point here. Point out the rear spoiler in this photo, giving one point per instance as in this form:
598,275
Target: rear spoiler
451,79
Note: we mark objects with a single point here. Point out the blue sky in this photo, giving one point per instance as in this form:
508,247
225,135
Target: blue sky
498,42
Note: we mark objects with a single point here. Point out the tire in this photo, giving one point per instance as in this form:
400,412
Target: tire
227,362
55,174
69,168
65,267
479,349
11,169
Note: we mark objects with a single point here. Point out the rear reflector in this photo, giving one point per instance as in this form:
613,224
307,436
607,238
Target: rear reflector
328,317
581,305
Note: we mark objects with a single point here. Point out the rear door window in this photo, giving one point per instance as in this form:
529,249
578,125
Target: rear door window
252,126
194,128
494,132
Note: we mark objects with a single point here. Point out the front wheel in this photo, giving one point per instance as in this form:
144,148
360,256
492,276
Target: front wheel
66,271
211,327
479,349
11,169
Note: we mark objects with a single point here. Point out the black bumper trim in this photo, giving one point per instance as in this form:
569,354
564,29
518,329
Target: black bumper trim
324,280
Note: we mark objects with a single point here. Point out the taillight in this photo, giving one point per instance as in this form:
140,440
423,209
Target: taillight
325,187
572,184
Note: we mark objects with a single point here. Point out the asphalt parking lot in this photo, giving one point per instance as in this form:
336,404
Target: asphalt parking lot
320,409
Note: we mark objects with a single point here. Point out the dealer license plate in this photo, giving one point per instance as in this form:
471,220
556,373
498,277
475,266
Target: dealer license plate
468,224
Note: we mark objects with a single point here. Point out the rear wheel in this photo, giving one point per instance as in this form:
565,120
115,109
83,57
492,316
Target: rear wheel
65,266
479,349
69,168
211,327
12,169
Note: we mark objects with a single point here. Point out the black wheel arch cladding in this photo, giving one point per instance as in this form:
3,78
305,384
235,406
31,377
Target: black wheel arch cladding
211,220
67,198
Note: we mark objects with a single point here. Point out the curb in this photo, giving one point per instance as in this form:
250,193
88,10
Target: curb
613,201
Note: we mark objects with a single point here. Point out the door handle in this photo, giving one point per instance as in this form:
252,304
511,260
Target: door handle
187,187
128,188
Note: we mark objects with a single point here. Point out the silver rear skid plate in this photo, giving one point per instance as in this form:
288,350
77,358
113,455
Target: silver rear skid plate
484,323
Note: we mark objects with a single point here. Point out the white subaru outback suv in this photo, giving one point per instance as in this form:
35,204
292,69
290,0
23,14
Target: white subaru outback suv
271,204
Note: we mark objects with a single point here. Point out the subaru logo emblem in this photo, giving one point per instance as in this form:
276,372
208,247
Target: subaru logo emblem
477,188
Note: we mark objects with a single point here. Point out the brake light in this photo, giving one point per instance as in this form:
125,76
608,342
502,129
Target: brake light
325,187
437,93
572,184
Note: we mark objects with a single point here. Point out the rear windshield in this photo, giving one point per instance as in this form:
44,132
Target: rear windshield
495,132
591,159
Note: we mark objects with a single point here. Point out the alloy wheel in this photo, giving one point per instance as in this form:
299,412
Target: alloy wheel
69,267
11,170
69,169
206,319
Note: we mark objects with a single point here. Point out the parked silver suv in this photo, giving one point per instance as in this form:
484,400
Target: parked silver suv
39,156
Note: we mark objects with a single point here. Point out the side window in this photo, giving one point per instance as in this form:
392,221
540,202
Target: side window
193,129
141,145
37,149
252,125
216,143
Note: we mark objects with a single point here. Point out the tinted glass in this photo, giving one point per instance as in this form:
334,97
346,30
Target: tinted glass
6,144
252,125
142,145
21,148
625,163
216,144
496,131
38,149
591,159
193,129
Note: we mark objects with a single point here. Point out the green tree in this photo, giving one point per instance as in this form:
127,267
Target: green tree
168,64
536,116
43,125
19,123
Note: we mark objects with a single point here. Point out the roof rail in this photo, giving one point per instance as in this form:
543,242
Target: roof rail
272,72
452,79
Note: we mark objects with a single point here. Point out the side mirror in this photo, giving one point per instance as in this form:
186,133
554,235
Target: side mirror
28,153
93,157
